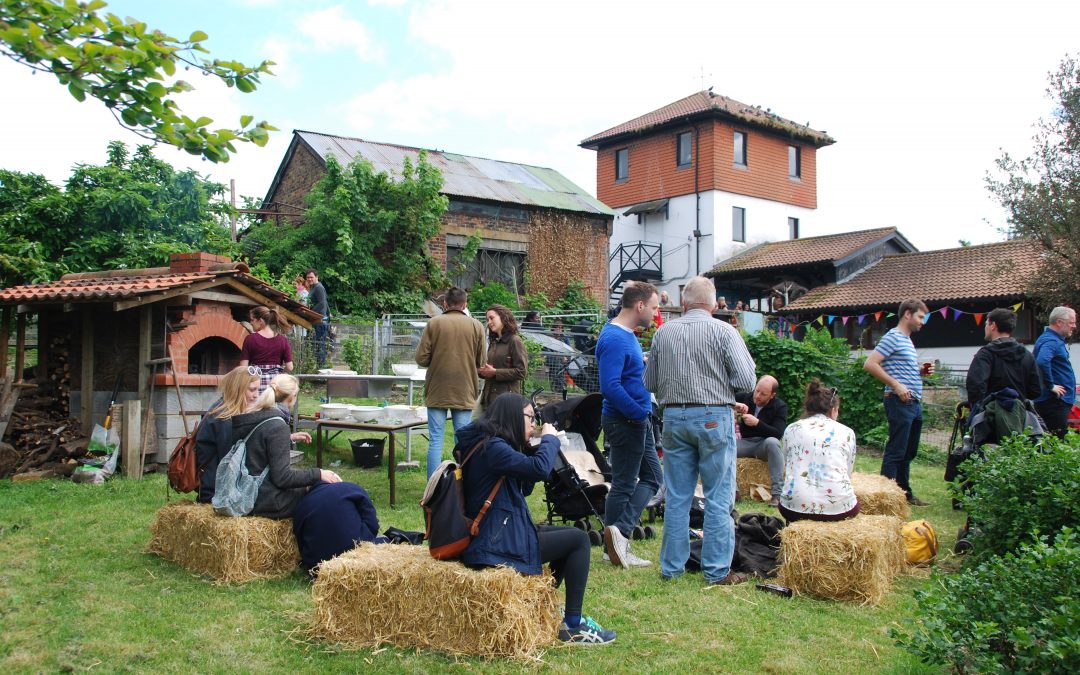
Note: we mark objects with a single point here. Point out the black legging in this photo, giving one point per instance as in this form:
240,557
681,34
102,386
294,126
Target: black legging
567,549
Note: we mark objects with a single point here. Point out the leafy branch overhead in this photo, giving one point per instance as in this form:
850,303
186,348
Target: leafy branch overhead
130,68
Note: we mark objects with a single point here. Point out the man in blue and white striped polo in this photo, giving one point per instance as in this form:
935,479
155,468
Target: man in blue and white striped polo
895,363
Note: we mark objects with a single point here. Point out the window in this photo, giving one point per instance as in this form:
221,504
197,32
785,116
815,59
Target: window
793,228
740,148
794,161
738,223
683,148
622,164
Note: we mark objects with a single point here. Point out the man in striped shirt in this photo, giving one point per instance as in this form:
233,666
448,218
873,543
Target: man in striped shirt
895,363
696,366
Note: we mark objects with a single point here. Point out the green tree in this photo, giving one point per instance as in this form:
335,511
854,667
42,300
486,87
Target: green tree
367,234
130,68
133,211
1041,193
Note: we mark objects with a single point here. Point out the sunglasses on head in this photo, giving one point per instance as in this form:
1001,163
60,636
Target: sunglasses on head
254,371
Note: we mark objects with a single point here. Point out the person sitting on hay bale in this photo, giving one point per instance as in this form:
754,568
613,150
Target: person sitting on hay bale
239,395
269,446
819,455
507,535
333,518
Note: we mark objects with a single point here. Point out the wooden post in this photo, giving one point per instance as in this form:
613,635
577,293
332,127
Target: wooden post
86,414
20,348
5,326
131,444
144,356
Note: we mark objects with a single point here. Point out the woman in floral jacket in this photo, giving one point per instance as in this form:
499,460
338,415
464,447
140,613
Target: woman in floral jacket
819,454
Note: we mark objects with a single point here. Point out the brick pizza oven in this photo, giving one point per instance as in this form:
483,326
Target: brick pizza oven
109,324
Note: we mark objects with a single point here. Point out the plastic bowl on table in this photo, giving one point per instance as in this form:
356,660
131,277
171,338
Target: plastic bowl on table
367,414
403,369
334,411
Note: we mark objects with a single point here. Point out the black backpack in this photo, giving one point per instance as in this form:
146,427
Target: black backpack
447,529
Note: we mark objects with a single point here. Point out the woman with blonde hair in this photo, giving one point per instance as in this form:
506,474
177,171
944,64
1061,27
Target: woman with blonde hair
239,391
267,348
269,445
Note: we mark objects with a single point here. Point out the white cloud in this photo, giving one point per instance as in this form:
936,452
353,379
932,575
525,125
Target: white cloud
280,50
331,29
386,3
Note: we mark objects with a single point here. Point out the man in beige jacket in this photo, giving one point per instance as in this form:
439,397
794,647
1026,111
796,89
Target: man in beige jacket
452,349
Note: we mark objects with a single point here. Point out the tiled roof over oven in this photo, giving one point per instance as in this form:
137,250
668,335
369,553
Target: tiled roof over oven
707,104
969,273
827,248
119,285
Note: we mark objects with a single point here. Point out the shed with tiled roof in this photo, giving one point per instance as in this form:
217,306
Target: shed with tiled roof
105,329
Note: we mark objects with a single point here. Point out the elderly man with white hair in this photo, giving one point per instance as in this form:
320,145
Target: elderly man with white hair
696,366
1058,378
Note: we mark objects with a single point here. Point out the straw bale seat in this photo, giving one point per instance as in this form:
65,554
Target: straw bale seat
400,595
230,550
854,560
880,496
750,472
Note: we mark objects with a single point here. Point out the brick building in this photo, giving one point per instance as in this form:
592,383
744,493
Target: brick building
530,219
700,180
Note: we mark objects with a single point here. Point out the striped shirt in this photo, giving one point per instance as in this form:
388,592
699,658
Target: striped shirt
901,361
698,359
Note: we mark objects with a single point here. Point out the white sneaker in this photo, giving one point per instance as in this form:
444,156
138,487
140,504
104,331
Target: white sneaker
617,546
634,561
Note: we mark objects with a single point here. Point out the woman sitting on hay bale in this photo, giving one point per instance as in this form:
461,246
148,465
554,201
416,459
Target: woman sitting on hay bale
819,455
507,534
269,446
239,395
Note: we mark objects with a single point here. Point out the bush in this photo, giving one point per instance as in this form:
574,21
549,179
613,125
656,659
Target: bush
357,354
1017,613
537,374
794,363
482,296
1021,490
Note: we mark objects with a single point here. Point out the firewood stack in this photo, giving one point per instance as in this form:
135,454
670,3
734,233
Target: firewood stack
42,440
60,372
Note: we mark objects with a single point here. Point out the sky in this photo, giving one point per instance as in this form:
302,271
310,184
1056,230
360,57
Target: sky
921,95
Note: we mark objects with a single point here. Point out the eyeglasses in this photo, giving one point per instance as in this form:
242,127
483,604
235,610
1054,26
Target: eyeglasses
532,418
254,371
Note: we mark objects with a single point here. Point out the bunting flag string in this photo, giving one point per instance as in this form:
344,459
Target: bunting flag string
828,319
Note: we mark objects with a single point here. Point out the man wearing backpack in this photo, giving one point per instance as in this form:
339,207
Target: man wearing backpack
1002,363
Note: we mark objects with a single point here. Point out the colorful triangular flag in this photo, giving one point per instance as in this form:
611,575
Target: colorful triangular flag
844,319
877,316
831,319
944,312
956,314
862,319
978,318
1017,306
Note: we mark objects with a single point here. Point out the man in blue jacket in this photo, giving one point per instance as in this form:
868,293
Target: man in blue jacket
1058,378
635,466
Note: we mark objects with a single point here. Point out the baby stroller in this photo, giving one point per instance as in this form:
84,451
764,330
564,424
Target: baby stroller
577,487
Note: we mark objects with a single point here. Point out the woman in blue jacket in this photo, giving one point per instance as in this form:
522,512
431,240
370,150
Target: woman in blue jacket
507,535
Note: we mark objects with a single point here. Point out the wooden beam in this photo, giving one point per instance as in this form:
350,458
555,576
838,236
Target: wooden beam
121,305
5,336
144,355
20,348
294,319
231,298
86,414
131,443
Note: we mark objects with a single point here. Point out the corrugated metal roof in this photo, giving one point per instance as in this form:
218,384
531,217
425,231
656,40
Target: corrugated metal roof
465,176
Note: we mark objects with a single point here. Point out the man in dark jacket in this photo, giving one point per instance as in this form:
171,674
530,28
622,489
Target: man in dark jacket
762,419
1002,363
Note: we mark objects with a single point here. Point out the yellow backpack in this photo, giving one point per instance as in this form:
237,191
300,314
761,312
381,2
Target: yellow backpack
921,542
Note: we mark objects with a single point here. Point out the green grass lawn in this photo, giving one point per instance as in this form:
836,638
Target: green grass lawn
79,592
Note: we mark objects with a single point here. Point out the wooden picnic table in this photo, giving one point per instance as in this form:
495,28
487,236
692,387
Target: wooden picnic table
320,424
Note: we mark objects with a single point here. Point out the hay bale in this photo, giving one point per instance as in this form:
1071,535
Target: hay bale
880,496
750,472
854,559
402,596
231,550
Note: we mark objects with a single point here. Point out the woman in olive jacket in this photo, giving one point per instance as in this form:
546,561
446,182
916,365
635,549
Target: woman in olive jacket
507,359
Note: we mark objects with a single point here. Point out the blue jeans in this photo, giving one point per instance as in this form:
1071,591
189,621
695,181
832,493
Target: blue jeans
905,429
699,440
320,332
436,425
635,471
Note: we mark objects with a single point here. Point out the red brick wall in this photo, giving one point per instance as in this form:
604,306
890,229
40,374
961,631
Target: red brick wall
303,170
653,173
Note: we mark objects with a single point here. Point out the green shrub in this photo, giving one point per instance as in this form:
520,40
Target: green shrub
794,363
1022,489
877,436
1016,613
577,297
537,376
482,296
357,354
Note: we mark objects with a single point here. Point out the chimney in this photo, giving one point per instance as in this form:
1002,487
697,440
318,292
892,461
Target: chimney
181,263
